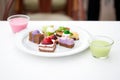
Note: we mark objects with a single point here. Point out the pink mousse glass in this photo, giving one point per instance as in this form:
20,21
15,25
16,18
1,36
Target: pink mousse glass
18,22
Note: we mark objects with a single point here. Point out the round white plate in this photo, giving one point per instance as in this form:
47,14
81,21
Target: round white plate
22,43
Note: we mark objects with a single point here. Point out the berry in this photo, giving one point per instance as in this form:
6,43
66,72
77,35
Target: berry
47,41
53,37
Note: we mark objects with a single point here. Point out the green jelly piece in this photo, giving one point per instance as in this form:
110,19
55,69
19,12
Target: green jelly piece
66,32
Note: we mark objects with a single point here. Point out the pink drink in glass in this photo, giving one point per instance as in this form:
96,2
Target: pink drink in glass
18,22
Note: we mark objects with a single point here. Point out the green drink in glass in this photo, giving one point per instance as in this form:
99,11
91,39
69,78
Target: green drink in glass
100,46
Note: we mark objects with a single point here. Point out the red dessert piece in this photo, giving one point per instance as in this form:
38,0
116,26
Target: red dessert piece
53,37
47,45
47,40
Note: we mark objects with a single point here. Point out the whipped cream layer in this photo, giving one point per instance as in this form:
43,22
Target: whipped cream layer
49,47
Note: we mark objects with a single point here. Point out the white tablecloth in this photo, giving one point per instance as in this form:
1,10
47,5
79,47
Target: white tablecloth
17,65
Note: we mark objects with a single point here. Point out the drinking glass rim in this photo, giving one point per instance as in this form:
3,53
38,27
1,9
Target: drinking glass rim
18,15
110,43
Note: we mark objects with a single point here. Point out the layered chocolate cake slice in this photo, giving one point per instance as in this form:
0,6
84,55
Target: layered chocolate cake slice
47,45
35,36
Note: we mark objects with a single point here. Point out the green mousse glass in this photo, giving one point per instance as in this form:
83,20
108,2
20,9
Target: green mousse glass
100,46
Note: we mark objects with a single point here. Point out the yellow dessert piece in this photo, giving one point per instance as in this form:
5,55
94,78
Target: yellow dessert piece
75,36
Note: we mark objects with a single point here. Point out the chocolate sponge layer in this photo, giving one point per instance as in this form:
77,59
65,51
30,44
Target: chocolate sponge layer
65,45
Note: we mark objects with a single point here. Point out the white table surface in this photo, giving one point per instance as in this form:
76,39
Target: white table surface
16,65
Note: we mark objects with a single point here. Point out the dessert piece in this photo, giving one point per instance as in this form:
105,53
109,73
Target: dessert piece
66,33
44,28
54,38
59,33
75,36
48,30
60,30
35,36
66,42
47,45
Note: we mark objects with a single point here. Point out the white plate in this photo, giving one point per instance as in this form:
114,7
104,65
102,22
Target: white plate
22,42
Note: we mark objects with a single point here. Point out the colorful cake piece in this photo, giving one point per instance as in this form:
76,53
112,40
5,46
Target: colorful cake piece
35,36
60,30
44,28
48,30
54,38
59,33
47,45
75,36
66,33
66,42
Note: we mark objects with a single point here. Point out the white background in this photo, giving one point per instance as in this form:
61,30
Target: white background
17,65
